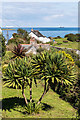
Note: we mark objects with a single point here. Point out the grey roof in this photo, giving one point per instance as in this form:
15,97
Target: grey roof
37,33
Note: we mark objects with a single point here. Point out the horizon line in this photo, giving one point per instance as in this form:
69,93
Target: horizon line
38,26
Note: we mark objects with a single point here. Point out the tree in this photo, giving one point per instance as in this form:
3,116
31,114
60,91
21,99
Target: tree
2,45
20,31
26,37
53,68
18,74
72,37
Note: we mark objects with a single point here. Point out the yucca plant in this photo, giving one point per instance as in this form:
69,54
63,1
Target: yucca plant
33,108
18,74
19,51
40,70
53,68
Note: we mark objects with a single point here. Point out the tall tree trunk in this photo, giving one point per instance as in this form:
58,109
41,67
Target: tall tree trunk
24,95
45,91
30,90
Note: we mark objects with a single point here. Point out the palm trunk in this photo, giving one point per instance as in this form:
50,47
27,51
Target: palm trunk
45,91
31,90
24,95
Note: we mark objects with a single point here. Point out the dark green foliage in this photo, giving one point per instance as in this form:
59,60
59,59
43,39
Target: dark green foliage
21,31
69,93
21,37
15,41
26,37
18,74
2,45
53,68
58,37
73,37
77,63
19,51
24,34
15,74
72,53
75,56
15,35
68,35
33,108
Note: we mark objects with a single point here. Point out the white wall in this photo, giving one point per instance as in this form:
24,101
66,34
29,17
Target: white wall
42,39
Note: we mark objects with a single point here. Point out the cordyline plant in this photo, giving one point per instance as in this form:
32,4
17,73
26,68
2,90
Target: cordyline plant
19,74
19,51
53,68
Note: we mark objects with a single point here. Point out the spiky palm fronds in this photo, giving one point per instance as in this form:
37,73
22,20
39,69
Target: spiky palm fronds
19,51
18,74
60,68
39,63
53,68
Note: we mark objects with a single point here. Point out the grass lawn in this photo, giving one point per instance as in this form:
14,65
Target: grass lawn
73,45
55,107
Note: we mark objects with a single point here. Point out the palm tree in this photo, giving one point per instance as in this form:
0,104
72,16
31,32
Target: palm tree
53,68
18,74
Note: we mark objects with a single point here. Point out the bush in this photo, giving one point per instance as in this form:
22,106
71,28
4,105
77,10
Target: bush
69,93
2,45
58,37
68,35
33,108
77,63
72,37
7,57
73,54
21,37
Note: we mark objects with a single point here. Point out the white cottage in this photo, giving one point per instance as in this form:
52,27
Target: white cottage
38,36
33,46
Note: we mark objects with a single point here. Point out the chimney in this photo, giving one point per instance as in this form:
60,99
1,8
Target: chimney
32,30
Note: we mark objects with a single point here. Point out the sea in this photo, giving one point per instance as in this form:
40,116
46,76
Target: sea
46,31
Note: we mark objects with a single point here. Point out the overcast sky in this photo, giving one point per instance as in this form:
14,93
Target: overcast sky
39,14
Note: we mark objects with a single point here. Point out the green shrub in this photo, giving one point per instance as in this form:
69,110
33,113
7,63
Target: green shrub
7,57
58,37
21,37
77,63
32,107
2,45
72,37
70,93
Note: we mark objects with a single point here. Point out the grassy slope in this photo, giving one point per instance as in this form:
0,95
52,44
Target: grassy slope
11,108
73,45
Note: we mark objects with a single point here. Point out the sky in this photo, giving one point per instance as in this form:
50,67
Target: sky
39,14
